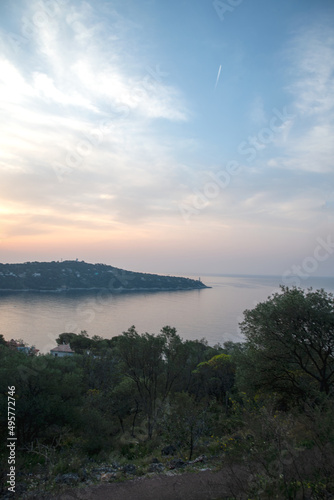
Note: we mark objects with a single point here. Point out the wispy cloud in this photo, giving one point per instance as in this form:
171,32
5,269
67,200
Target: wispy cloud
78,98
310,147
312,65
108,125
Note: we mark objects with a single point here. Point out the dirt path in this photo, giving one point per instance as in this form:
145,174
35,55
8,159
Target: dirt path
206,485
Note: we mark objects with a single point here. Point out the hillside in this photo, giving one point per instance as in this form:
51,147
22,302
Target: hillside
75,275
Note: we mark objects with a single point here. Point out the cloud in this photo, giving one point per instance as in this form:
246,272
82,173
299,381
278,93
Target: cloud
312,62
313,151
80,122
98,141
307,143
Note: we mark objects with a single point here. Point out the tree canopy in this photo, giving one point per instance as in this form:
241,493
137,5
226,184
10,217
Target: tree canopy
144,397
290,342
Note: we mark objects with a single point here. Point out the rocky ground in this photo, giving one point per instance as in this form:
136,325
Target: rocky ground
203,485
200,479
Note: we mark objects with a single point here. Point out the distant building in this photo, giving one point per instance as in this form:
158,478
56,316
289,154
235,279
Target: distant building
62,350
14,344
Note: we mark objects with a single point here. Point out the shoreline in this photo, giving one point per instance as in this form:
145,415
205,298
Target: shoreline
101,289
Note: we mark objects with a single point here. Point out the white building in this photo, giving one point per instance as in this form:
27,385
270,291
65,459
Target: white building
62,350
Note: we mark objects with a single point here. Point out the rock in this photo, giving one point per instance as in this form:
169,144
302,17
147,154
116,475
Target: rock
108,476
98,472
89,482
155,461
177,463
168,450
70,478
156,467
83,474
201,458
129,469
103,469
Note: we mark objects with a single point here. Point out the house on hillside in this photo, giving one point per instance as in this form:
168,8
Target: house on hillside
21,347
28,350
62,350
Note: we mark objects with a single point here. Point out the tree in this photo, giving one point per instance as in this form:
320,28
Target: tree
100,371
290,342
123,401
217,377
143,363
80,343
197,351
48,391
185,421
155,363
174,354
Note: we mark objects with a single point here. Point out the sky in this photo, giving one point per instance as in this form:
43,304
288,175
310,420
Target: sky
179,137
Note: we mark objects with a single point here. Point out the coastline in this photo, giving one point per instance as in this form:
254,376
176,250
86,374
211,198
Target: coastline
103,289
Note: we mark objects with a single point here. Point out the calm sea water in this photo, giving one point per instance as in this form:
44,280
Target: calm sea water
214,313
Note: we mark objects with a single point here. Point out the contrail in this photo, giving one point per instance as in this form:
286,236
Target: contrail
220,68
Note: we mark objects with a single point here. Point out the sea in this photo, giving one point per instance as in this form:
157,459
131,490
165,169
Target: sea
211,313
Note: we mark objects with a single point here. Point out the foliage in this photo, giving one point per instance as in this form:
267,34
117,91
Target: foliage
130,396
66,275
217,377
142,358
185,421
290,343
81,343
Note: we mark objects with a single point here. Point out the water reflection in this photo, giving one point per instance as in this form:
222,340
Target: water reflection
213,313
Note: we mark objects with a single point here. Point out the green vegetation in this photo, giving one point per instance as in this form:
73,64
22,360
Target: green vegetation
291,344
74,275
265,405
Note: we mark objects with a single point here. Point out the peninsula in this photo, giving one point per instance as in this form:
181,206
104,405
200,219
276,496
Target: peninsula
74,275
